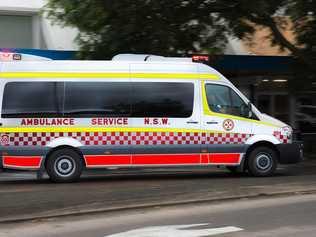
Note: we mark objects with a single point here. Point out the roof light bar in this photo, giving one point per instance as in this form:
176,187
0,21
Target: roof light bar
200,58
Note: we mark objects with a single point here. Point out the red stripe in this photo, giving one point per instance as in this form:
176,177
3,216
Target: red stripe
162,159
224,158
159,159
22,161
204,158
100,160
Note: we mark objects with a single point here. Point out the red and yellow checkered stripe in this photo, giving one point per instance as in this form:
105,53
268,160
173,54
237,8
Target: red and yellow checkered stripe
125,138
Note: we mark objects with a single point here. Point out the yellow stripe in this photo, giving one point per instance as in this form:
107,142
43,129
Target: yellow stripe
100,129
207,111
108,75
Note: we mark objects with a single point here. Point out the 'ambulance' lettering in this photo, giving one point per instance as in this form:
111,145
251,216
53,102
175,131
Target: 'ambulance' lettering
48,122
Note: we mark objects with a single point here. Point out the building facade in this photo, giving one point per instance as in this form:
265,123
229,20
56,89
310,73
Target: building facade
23,26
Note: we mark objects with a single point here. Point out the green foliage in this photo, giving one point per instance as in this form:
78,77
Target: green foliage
303,15
163,27
276,15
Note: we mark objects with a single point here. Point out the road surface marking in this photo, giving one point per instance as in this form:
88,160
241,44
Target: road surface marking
176,230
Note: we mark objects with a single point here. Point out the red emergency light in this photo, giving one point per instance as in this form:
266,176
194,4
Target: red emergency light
200,58
7,55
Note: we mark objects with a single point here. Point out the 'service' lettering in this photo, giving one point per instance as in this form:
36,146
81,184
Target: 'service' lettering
109,121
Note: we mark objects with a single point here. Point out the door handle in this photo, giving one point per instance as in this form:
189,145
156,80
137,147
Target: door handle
192,122
211,122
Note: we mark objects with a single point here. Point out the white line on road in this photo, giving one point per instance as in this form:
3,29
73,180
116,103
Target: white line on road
176,230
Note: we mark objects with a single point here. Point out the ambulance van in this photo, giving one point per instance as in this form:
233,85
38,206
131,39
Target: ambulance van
62,117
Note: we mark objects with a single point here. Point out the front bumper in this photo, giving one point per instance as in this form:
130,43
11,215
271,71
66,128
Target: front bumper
290,153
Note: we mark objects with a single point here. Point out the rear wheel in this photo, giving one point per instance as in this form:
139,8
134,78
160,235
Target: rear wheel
64,166
262,162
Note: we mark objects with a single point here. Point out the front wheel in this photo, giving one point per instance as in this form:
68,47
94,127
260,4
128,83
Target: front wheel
262,162
64,166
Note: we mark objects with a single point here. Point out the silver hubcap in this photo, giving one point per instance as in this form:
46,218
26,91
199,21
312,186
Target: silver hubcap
263,161
64,166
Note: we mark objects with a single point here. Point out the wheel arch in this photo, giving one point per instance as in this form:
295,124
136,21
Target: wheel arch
262,144
53,149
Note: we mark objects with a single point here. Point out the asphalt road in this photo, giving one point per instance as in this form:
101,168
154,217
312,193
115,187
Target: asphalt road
277,217
22,196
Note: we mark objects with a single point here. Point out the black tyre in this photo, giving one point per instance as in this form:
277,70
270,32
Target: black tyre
262,162
64,166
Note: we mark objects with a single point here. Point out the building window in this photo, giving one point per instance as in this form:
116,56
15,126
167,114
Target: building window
16,31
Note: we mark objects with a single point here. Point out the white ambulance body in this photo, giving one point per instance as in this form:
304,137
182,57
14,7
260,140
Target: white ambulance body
66,116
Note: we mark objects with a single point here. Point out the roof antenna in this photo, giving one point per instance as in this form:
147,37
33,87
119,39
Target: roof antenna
147,57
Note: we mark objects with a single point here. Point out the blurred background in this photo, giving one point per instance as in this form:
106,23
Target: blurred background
267,48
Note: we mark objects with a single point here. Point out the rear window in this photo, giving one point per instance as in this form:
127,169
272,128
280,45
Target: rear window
32,99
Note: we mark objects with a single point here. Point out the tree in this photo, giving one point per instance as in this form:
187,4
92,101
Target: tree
298,15
276,16
161,27
108,27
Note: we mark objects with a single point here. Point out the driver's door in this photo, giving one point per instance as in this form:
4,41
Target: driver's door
227,124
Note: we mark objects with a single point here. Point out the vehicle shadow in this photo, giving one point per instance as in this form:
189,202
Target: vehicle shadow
140,175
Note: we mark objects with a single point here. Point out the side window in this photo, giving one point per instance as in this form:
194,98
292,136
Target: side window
222,99
218,98
97,99
238,106
162,99
32,99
